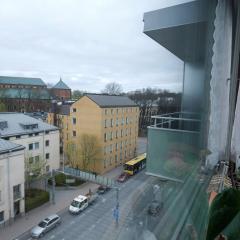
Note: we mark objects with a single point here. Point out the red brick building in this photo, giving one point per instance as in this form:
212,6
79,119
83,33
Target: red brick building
61,91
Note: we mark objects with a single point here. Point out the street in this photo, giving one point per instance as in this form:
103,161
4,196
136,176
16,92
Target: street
97,221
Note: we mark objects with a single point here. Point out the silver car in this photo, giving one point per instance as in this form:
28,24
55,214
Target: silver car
46,225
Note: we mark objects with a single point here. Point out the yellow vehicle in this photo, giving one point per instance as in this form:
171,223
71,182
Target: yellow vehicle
135,165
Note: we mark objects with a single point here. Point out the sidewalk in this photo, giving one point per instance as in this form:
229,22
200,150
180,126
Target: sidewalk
62,198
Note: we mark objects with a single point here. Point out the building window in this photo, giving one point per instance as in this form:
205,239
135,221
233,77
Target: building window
30,146
111,122
111,148
117,134
104,162
110,160
122,121
17,137
106,112
2,216
105,137
47,143
126,120
74,121
74,110
116,158
120,156
47,132
116,146
117,110
121,132
125,143
112,111
105,123
111,136
36,145
130,131
126,132
121,145
47,155
74,133
117,122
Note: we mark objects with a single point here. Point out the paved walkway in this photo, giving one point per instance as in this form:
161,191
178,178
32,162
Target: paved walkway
62,197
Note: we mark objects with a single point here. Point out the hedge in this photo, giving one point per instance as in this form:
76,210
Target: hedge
60,180
35,198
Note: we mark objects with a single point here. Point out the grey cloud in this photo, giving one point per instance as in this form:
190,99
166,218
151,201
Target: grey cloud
87,43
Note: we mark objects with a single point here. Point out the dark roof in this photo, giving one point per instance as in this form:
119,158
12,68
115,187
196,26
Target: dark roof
6,146
103,100
25,93
15,122
64,109
61,85
22,81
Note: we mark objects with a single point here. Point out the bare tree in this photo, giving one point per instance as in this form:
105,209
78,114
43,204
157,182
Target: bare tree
113,88
84,153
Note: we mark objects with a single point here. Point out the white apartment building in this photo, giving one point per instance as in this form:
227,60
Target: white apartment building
41,140
11,180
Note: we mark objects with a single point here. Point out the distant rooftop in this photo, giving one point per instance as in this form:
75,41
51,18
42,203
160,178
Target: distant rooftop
6,146
20,124
61,85
21,81
103,100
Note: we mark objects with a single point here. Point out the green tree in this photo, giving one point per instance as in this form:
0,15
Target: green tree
34,169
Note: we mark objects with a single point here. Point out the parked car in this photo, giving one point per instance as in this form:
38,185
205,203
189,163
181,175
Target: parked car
102,189
81,202
155,207
45,225
123,177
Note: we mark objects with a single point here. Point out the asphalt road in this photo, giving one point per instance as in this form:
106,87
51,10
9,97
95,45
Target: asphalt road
97,221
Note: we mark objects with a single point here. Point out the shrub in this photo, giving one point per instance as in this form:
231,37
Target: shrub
35,198
60,180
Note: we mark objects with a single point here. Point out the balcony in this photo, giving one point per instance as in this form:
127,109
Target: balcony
173,145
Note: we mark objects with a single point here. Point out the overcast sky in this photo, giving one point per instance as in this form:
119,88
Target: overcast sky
87,42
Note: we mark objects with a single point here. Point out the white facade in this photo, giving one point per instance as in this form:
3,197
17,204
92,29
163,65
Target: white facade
43,146
11,185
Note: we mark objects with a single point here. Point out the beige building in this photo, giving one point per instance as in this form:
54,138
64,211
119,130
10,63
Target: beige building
41,140
11,181
113,120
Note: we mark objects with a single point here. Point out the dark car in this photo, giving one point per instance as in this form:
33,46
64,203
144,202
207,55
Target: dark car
123,177
155,207
102,189
46,225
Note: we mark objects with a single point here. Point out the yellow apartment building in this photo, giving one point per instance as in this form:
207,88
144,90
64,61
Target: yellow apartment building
113,120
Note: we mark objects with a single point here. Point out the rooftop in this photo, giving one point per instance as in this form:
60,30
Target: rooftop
16,125
103,100
21,81
61,85
6,146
